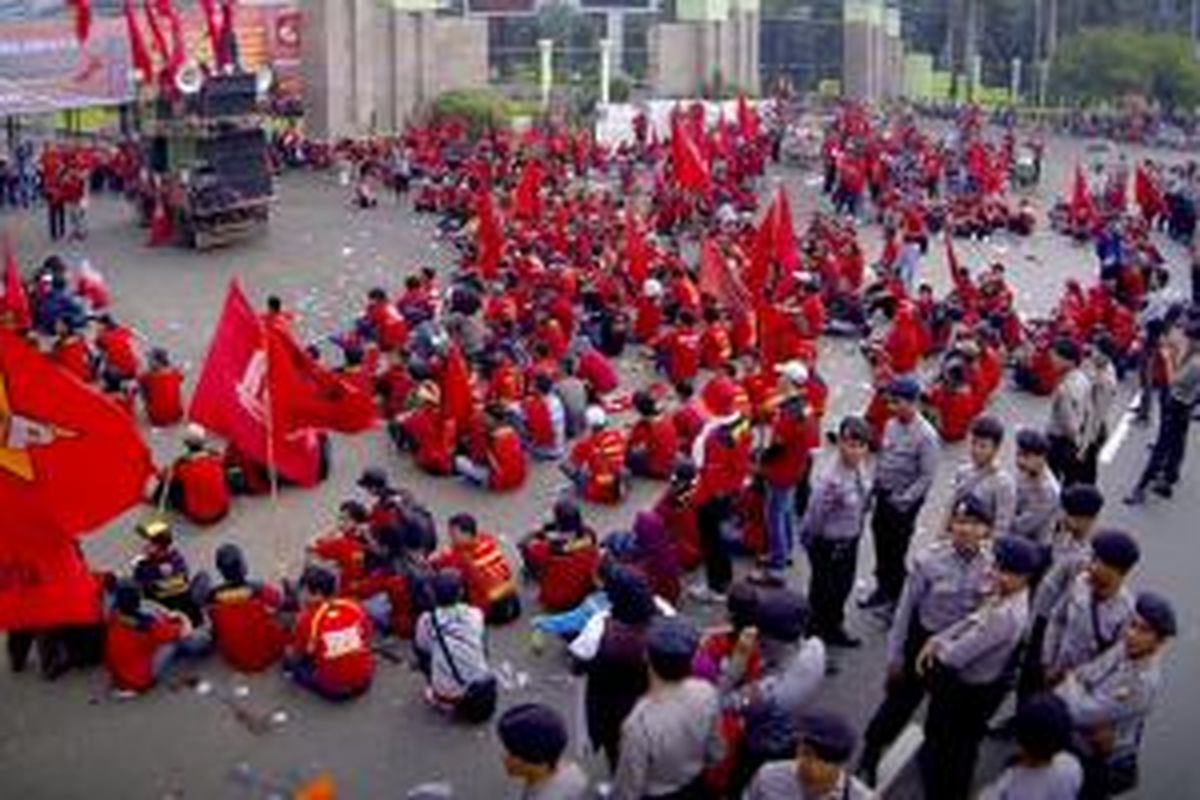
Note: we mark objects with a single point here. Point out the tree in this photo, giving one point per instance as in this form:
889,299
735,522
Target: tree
1104,65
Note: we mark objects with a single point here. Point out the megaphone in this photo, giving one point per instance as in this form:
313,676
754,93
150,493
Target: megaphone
189,78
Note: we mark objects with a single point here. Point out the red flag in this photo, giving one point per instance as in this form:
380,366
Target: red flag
44,581
213,27
786,250
967,292
747,118
527,202
1147,193
490,236
16,301
143,66
691,170
637,250
719,281
156,31
64,447
305,394
231,397
82,12
1082,207
228,37
458,399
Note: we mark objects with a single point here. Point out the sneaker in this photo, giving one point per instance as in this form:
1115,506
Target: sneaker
1135,498
876,599
1163,490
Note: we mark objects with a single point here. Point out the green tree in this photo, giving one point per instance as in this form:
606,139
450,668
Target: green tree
1103,65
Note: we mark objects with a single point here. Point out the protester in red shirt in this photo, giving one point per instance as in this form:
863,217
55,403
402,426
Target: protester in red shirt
428,432
142,643
330,651
161,390
197,481
247,630
562,557
115,344
676,506
653,441
597,461
387,324
346,547
71,352
679,350
476,555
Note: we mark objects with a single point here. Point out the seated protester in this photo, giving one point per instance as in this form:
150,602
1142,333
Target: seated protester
160,386
388,326
826,743
544,420
690,415
245,615
427,431
398,588
479,559
143,641
1111,696
653,555
597,461
671,735
534,738
197,487
450,642
562,557
597,372
115,346
395,385
244,474
648,312
162,573
71,351
330,651
716,346
677,509
346,547
653,445
951,403
679,350
1043,768
121,391
498,462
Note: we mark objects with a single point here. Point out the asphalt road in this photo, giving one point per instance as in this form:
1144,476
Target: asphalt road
70,739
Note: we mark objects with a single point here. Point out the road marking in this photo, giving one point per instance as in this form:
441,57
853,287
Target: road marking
897,758
1109,451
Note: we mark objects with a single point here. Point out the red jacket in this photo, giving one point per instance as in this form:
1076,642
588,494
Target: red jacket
682,351
348,552
726,464
162,396
130,646
539,423
602,455
484,568
435,439
335,635
246,629
116,345
716,346
597,371
659,440
73,355
793,437
506,460
204,495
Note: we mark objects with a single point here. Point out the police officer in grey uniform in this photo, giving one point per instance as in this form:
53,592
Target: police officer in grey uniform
983,477
831,529
1044,769
949,579
905,466
1037,490
1070,405
818,771
1093,614
1110,697
968,665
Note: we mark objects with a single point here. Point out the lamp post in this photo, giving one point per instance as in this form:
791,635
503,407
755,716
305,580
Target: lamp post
546,49
605,71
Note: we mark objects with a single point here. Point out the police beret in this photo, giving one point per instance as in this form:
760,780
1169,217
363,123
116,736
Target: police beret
1043,725
1032,441
534,733
828,735
1082,500
782,614
904,388
1116,549
1157,612
855,429
672,637
988,428
1016,555
974,508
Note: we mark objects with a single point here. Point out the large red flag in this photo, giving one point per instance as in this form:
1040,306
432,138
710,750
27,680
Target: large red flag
1147,193
143,66
157,36
489,236
232,397
691,170
527,201
718,280
458,399
44,581
16,301
306,394
64,447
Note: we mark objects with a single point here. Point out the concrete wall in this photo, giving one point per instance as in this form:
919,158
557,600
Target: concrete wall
686,55
369,66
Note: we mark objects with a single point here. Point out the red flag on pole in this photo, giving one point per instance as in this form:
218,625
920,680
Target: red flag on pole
489,236
157,36
178,55
1083,209
1147,194
64,447
691,170
718,280
458,400
81,11
232,397
786,250
527,201
45,581
16,301
747,118
305,394
143,66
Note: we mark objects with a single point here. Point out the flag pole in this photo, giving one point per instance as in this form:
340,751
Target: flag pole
272,475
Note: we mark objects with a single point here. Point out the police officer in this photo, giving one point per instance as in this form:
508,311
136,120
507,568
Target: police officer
826,745
831,529
968,665
1043,769
1110,697
1069,409
1091,617
904,469
948,581
983,477
534,738
1037,489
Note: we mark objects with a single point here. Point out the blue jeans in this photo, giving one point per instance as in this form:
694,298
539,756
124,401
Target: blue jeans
781,526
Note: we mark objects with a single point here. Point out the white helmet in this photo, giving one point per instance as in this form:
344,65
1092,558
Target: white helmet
652,288
794,371
595,417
